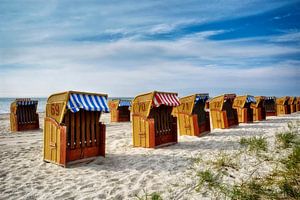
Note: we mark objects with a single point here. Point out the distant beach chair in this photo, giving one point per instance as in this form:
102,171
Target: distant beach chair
192,118
242,104
221,111
293,103
298,104
259,110
72,131
23,115
119,110
282,106
152,122
270,106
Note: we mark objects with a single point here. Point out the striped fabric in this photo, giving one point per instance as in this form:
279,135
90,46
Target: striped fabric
165,99
270,98
125,103
26,102
250,99
87,102
202,98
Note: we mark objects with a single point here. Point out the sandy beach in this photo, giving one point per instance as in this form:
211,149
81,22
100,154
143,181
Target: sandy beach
127,172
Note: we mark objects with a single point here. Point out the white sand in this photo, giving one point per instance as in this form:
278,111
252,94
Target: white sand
126,171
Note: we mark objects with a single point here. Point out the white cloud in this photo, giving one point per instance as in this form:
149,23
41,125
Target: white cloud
38,56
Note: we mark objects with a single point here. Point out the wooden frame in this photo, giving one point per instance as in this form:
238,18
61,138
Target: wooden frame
152,126
221,111
72,137
192,118
297,104
293,104
243,108
118,113
259,110
283,106
23,117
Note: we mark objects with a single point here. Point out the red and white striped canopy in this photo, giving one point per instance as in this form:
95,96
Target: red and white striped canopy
165,99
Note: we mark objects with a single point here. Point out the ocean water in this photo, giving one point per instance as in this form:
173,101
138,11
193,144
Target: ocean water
5,103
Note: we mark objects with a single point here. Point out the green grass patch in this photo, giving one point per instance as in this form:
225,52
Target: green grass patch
285,140
225,161
152,196
207,178
255,144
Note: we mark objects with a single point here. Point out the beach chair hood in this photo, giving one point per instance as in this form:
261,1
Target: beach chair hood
124,103
143,103
241,101
187,103
58,104
217,103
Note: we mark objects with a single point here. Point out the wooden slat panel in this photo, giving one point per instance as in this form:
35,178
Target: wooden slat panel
72,130
97,128
23,114
18,116
83,137
77,125
93,128
31,114
88,128
26,114
20,108
67,122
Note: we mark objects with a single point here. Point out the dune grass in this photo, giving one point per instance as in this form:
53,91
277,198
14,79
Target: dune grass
282,183
152,196
254,144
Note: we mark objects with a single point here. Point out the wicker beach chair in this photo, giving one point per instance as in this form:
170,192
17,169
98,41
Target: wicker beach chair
72,131
152,121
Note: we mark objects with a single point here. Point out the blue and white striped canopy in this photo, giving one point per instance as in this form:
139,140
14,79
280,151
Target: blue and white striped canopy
125,103
26,103
270,98
87,102
202,98
250,99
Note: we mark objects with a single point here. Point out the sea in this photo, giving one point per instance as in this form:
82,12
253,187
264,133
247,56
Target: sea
5,103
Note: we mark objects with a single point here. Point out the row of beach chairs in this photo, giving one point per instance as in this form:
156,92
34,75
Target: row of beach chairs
73,131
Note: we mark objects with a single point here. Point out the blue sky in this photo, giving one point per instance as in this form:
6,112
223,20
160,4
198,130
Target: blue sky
128,47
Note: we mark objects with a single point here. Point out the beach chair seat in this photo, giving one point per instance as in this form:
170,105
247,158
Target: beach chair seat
152,119
72,131
23,115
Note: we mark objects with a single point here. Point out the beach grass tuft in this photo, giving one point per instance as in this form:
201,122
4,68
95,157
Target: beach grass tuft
255,144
